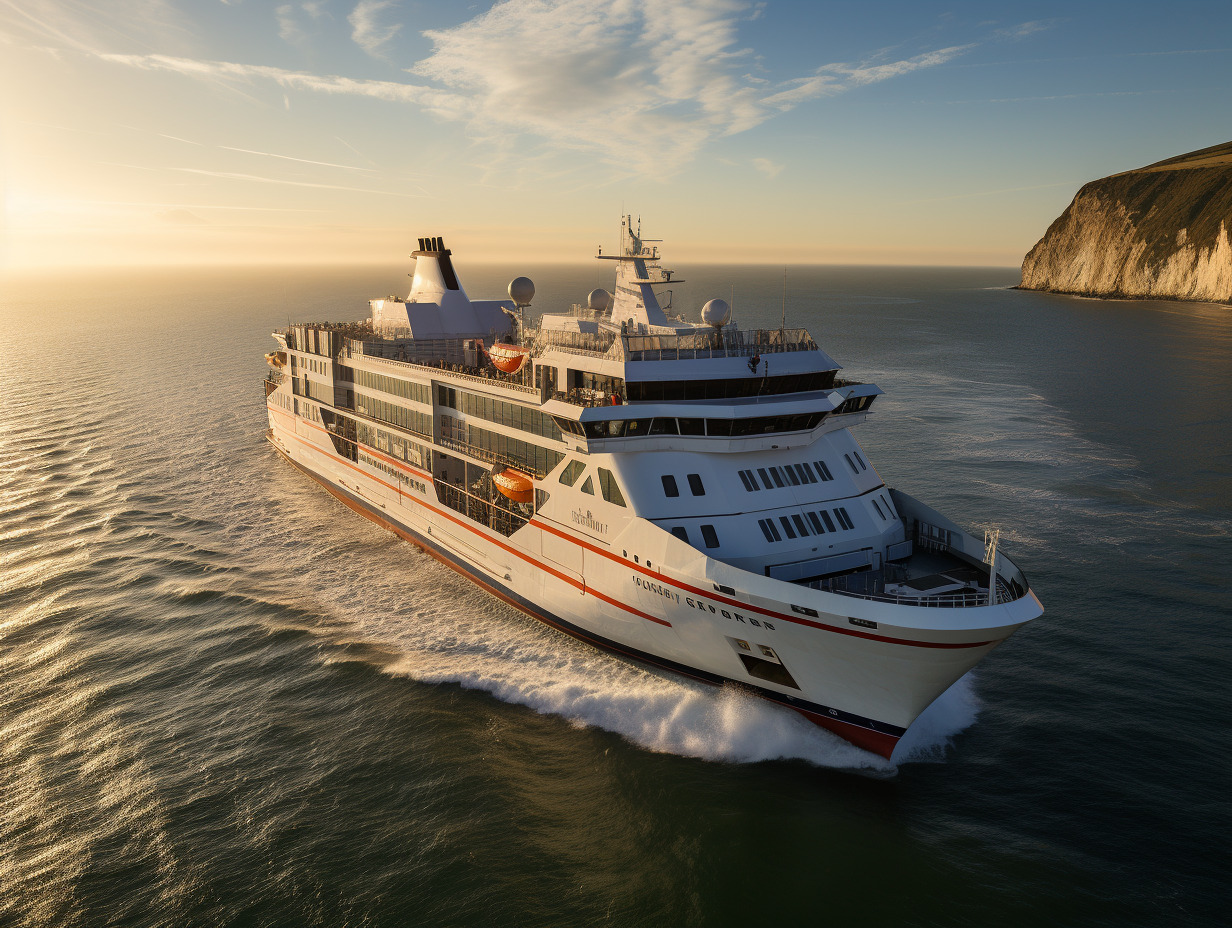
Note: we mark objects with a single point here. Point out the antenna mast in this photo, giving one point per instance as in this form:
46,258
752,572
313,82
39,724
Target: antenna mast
783,320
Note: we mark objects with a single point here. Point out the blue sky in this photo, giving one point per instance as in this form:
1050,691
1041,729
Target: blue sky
157,131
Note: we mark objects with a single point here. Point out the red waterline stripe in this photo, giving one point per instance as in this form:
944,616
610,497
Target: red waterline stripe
514,551
749,607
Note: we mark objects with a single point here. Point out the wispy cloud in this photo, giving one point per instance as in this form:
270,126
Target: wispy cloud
270,154
367,29
768,167
640,85
1022,30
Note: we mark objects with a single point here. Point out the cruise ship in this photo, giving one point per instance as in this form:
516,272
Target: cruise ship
689,494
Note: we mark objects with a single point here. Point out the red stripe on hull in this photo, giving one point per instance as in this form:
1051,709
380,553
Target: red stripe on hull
875,742
872,741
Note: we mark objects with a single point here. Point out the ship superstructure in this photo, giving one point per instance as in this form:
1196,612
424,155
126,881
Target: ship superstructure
688,494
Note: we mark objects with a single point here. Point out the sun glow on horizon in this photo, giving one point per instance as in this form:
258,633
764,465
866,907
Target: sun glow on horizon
192,133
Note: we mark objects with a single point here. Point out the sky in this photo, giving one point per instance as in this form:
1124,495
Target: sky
164,132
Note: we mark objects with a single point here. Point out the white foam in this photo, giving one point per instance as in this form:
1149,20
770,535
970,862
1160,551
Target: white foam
933,732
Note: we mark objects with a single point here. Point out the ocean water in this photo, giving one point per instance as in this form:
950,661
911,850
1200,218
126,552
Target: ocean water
225,699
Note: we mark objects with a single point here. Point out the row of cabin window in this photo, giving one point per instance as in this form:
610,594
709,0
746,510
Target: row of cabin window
709,536
730,388
531,457
321,392
795,525
787,475
855,404
695,485
720,428
410,419
317,367
607,482
419,392
499,412
394,445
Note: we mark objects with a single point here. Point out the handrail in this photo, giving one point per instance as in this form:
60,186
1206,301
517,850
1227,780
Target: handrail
439,371
491,457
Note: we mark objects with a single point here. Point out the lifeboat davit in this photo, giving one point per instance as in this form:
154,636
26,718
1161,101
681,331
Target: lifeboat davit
515,485
508,358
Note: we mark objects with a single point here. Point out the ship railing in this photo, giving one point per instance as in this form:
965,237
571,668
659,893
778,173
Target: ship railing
451,370
602,344
716,344
492,457
582,397
275,377
956,600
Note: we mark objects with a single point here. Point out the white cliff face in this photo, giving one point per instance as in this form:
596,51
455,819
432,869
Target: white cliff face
1126,236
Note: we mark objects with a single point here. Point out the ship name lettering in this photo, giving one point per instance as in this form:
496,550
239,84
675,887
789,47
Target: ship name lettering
734,616
586,520
651,587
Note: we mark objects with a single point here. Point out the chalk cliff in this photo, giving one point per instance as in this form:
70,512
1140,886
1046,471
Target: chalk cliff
1158,232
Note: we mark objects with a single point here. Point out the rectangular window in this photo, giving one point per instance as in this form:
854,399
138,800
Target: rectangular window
765,529
800,526
669,485
746,479
791,476
825,517
695,485
889,508
852,464
824,471
765,478
863,466
681,532
572,471
791,532
774,531
708,535
877,506
816,522
843,518
778,479
609,489
806,476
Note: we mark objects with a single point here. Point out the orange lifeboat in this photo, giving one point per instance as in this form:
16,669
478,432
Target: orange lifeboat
508,358
515,485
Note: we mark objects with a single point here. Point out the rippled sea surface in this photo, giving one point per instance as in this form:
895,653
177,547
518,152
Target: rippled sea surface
225,699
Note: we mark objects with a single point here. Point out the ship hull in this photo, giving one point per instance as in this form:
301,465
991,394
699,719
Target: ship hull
871,685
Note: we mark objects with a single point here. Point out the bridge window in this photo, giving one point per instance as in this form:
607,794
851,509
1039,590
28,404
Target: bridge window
669,485
843,518
572,471
787,527
681,532
825,517
695,484
768,529
609,489
708,535
750,484
823,471
877,506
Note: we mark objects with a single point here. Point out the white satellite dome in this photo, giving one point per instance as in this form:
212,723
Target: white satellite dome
716,313
598,300
521,291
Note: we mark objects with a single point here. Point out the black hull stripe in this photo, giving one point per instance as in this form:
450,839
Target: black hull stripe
538,612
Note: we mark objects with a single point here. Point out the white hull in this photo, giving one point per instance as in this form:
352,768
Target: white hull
863,668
